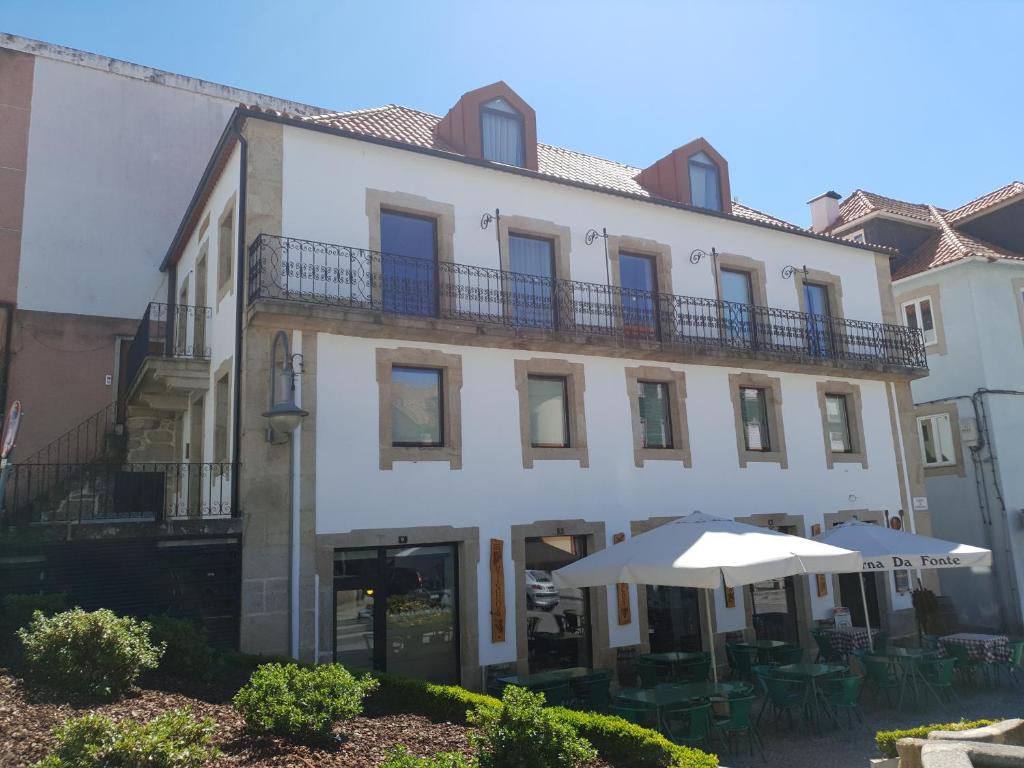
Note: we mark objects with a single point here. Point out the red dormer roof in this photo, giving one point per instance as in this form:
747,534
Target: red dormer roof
669,177
460,128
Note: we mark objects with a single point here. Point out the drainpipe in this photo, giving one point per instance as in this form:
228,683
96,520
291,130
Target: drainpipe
236,422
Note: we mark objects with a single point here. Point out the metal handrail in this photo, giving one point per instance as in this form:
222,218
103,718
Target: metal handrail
339,275
169,330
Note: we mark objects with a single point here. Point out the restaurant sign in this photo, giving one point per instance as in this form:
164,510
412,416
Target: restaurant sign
918,561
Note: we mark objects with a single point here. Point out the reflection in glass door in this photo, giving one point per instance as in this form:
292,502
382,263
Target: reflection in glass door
639,288
738,295
816,302
773,605
408,263
673,619
557,620
395,610
531,262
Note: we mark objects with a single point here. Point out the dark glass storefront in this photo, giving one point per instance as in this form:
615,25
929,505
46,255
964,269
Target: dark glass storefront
557,620
396,610
673,619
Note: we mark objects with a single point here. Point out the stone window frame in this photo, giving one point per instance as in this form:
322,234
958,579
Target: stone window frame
575,387
950,409
442,213
932,293
451,409
733,262
225,256
661,253
676,383
833,285
772,387
854,423
561,245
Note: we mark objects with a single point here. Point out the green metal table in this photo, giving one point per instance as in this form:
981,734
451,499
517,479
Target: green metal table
814,699
764,648
547,678
674,657
906,664
669,695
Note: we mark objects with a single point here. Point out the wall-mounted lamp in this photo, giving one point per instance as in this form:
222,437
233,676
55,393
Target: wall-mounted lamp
698,253
589,238
283,415
789,269
487,218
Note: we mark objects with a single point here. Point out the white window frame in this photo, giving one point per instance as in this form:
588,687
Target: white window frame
936,420
916,304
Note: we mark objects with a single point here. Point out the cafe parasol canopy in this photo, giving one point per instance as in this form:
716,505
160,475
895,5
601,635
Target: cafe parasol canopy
703,551
885,549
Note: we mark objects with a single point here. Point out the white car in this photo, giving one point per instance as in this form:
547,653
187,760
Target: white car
541,591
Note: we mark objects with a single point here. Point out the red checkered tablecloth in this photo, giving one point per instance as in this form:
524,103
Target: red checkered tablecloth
848,639
982,647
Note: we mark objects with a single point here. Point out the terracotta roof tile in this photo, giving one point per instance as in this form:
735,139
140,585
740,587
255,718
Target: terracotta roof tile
861,203
1001,195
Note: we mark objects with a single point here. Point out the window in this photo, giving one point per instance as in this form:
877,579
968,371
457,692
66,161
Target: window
501,133
918,314
655,414
531,261
551,416
838,419
221,407
657,405
704,183
857,237
754,409
420,414
757,408
408,245
936,436
225,249
417,407
549,419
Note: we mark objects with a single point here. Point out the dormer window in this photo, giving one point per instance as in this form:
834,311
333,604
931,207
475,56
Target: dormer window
501,132
705,190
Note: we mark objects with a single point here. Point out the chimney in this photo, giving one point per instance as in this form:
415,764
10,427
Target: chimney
824,210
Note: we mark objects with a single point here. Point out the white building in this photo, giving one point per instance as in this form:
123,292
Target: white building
960,278
491,393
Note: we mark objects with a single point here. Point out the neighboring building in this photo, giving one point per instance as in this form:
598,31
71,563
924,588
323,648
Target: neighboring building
960,279
97,159
494,389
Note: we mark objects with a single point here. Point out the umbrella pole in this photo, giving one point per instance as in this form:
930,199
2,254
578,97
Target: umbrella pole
711,633
867,619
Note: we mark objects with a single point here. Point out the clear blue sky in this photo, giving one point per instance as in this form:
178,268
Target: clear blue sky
916,100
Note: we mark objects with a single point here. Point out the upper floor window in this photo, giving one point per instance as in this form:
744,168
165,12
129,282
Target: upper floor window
918,314
501,133
837,418
754,414
857,237
417,413
655,414
705,189
936,436
549,416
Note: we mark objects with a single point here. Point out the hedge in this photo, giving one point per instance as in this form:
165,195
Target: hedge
886,740
618,741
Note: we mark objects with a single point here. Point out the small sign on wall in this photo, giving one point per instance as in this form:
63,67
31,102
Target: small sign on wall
920,503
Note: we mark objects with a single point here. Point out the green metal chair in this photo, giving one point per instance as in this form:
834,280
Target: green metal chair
939,675
646,717
880,641
688,725
759,672
692,672
593,692
737,723
844,693
826,653
495,688
787,654
881,675
555,694
783,695
650,673
742,661
931,642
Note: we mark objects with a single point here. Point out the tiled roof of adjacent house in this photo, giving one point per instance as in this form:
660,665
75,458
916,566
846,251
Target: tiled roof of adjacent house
979,204
861,202
411,126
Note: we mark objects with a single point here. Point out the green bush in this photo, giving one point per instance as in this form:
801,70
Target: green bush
399,757
187,649
16,612
616,740
98,654
172,740
886,740
296,701
523,733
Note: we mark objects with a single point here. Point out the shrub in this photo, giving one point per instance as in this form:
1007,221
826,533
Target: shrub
172,740
187,650
522,733
616,740
98,654
886,740
16,612
399,757
295,701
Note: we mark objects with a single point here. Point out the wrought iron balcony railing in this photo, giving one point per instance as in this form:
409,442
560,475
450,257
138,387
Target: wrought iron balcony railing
101,492
169,330
356,278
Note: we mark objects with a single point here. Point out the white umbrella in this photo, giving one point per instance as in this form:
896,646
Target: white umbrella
885,549
703,551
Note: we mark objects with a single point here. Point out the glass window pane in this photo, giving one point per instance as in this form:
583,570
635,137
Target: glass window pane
928,441
408,263
944,439
704,186
549,427
736,287
416,407
502,133
557,620
655,418
754,414
639,284
838,424
910,311
532,262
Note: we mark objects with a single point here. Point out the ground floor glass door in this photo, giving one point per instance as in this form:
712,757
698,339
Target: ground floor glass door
396,610
773,609
850,597
673,619
557,620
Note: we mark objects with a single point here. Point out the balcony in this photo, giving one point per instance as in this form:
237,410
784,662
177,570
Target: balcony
101,492
315,273
169,358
